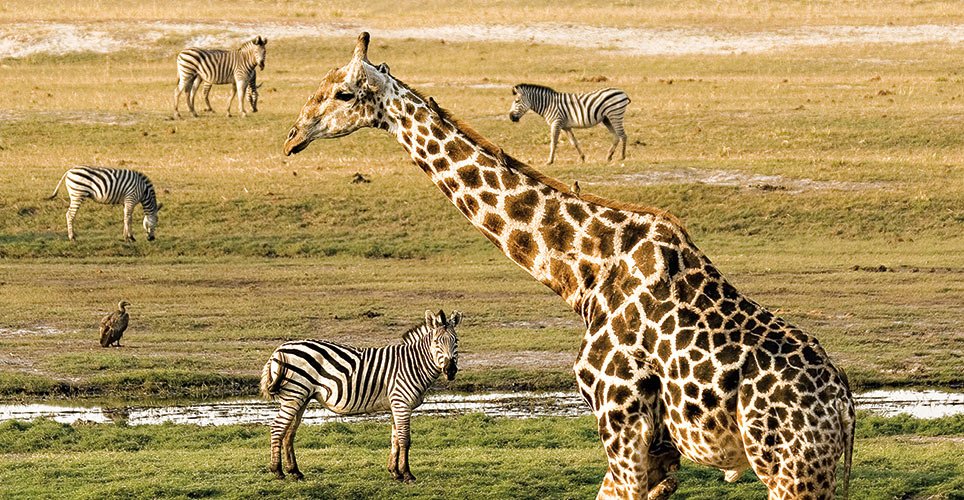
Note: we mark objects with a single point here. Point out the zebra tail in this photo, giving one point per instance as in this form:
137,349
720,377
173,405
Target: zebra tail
61,181
271,382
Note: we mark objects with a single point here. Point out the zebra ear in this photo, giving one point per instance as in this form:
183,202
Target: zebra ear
456,319
441,317
429,318
160,206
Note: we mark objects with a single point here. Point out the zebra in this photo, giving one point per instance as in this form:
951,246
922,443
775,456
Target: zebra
113,187
349,381
253,95
218,67
568,111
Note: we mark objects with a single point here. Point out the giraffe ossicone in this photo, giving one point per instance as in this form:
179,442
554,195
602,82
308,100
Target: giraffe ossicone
674,361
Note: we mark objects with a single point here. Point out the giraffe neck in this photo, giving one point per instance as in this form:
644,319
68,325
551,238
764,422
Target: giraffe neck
519,213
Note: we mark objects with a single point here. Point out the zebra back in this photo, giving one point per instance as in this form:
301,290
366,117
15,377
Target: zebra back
572,110
112,186
218,66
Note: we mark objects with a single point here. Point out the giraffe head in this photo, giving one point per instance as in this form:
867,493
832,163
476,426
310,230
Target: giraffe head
347,99
445,342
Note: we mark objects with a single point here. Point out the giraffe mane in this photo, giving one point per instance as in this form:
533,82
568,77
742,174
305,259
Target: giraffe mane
529,171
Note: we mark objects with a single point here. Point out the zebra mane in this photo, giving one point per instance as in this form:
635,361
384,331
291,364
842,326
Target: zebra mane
415,333
534,86
523,168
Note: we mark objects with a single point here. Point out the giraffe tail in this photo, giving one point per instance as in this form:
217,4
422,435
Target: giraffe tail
271,379
848,423
61,181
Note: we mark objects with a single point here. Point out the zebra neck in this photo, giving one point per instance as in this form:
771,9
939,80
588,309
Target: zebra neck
519,209
421,356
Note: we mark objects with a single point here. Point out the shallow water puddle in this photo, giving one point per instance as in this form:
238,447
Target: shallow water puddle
25,39
689,175
917,403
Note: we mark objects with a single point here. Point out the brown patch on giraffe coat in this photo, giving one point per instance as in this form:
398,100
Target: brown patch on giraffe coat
470,176
556,231
620,366
577,212
421,115
522,248
452,184
509,179
491,179
522,207
597,352
440,165
432,147
563,280
493,223
489,198
645,258
458,150
471,205
588,272
601,242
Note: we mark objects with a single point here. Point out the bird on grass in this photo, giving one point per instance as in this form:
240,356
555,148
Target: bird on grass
113,325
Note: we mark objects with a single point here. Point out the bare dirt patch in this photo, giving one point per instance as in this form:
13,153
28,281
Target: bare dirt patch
688,175
25,39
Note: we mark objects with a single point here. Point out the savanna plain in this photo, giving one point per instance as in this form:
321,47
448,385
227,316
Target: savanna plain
826,181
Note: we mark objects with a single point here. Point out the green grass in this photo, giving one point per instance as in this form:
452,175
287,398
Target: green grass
471,456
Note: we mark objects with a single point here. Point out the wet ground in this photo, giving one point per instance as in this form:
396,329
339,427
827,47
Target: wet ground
917,403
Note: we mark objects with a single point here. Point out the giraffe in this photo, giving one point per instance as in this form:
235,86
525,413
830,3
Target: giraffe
672,353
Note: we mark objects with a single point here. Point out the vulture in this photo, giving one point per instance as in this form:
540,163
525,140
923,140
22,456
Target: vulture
113,325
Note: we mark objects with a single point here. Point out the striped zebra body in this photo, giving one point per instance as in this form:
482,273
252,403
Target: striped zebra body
252,93
112,187
349,381
564,112
218,67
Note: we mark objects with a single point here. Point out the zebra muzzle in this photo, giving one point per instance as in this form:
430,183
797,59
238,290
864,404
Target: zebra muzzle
451,368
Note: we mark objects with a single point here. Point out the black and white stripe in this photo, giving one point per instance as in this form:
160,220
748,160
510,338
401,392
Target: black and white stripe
218,67
569,111
348,380
205,88
113,187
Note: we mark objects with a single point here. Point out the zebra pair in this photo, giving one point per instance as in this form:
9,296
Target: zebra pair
217,67
568,111
113,187
348,381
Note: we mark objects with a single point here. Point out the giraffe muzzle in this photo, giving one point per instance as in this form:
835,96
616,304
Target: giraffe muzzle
292,144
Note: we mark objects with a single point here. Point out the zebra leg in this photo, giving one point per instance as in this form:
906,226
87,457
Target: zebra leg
285,418
234,90
191,90
288,442
393,455
575,144
402,417
242,87
553,139
128,213
612,130
207,98
71,213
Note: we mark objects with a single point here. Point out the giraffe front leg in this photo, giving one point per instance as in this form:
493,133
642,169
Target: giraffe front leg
553,139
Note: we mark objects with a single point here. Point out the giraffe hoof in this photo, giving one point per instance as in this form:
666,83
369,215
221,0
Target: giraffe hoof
296,475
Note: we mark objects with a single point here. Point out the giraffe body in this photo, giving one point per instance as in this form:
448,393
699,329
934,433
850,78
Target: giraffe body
674,360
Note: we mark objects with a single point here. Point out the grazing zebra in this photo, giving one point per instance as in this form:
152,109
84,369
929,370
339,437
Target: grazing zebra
252,93
349,381
113,187
569,111
218,67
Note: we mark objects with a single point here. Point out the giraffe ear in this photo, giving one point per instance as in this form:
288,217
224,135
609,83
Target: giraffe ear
384,68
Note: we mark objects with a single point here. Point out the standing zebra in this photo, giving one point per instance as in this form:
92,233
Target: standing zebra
218,67
568,111
113,187
349,381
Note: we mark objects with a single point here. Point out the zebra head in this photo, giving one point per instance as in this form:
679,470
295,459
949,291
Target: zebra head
346,100
445,342
520,105
258,44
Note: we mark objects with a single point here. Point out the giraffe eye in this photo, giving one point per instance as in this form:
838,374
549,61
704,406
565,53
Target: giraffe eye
344,96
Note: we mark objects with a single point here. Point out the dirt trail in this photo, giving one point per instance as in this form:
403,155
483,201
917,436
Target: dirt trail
24,39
